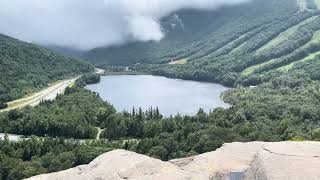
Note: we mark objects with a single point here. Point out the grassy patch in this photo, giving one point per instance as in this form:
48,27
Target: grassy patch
181,61
282,37
317,2
251,69
239,47
315,40
302,4
306,59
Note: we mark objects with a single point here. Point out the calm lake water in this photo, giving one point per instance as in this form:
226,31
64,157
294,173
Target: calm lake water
172,96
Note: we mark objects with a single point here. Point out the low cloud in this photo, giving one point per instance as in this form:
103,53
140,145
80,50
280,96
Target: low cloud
86,24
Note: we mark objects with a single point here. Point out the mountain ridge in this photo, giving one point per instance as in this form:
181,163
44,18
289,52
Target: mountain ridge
26,67
236,46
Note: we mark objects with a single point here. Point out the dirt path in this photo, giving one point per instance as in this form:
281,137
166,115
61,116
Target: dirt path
99,132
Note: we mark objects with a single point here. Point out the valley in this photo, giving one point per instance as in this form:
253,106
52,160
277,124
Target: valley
240,73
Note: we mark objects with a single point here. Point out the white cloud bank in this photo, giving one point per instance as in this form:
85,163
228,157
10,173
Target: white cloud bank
86,24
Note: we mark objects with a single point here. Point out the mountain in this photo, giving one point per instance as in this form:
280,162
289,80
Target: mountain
27,67
230,46
267,50
189,32
66,51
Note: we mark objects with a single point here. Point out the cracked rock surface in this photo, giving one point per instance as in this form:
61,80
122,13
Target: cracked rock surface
233,161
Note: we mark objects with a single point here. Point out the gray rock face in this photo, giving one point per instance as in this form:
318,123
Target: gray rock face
234,161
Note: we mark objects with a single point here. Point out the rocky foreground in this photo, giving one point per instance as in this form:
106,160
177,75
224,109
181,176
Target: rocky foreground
234,161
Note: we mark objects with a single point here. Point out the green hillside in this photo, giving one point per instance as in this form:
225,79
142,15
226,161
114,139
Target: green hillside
25,68
230,46
198,29
268,50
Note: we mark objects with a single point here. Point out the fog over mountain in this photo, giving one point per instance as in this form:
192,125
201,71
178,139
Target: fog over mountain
84,24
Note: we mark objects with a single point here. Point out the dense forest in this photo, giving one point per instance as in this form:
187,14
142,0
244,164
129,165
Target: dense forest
227,45
71,115
229,60
285,107
267,50
23,159
205,32
25,68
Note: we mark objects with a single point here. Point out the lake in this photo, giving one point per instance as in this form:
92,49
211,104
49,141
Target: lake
171,96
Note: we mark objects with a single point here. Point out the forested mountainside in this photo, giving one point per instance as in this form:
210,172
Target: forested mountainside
273,44
284,109
26,67
184,31
231,46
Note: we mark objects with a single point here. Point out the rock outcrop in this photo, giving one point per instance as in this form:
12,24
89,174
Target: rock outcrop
234,161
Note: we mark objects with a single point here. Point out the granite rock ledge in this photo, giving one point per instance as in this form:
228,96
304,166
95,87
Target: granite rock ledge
233,161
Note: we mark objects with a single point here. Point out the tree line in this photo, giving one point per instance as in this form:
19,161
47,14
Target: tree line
25,68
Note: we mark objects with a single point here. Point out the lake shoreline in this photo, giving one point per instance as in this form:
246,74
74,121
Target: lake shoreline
123,73
156,75
172,96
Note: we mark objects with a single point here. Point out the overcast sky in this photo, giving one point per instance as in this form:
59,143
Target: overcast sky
86,24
